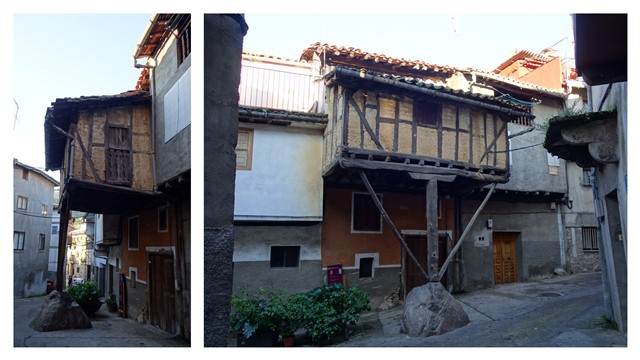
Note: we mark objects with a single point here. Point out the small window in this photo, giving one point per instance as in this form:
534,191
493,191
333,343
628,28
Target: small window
285,256
18,240
590,239
586,177
366,267
25,174
45,210
133,232
54,230
365,215
41,242
22,203
244,149
163,219
426,113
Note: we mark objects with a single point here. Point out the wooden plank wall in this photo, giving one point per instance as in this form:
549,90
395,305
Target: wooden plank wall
90,130
463,134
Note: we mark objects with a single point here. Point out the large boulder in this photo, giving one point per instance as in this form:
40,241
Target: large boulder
59,312
431,310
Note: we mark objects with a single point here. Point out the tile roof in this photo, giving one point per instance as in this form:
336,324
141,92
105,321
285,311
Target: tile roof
356,57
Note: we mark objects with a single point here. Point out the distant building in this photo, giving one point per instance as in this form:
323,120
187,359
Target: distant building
32,208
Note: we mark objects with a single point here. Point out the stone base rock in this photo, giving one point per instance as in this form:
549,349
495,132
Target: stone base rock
59,312
431,310
390,301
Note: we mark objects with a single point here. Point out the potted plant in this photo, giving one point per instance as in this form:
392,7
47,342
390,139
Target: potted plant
111,302
87,295
292,317
255,318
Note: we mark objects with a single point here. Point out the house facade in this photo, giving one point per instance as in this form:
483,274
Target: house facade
597,139
127,158
164,253
278,184
32,218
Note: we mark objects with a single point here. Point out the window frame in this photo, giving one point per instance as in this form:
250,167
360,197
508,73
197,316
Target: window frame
427,113
353,213
249,149
25,174
20,242
129,232
166,219
593,247
22,200
42,238
286,251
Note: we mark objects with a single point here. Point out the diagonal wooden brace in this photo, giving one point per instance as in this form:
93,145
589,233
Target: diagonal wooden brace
465,232
386,218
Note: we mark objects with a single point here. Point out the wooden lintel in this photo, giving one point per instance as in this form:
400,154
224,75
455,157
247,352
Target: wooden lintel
443,178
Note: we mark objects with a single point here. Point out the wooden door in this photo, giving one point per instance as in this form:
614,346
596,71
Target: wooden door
162,312
418,245
412,275
504,258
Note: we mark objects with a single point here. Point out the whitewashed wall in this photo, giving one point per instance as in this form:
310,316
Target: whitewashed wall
285,180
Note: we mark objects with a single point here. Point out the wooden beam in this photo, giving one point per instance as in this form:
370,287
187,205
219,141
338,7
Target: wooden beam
492,144
380,165
62,243
443,178
465,232
363,120
432,229
86,156
386,218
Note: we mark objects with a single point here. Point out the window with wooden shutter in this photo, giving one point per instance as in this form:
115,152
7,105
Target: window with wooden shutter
365,216
244,149
119,167
177,106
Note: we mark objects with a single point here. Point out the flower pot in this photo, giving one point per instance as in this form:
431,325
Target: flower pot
90,307
288,341
261,339
112,307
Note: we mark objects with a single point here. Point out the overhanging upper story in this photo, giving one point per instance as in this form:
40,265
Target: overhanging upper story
408,119
102,147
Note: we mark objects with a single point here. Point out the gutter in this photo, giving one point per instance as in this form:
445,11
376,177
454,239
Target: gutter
341,71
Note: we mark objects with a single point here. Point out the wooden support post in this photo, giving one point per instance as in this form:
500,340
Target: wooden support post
386,218
432,229
62,244
465,232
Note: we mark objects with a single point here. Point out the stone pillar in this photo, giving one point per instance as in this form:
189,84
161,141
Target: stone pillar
223,38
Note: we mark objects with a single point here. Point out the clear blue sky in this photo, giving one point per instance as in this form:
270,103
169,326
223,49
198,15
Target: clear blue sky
67,55
476,40
72,55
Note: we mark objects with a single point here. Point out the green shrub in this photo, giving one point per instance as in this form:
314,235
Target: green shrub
333,307
86,292
324,312
255,313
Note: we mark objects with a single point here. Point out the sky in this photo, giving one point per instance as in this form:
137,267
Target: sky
481,41
54,54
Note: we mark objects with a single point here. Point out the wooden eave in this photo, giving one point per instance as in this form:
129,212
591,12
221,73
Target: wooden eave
256,115
409,86
92,197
